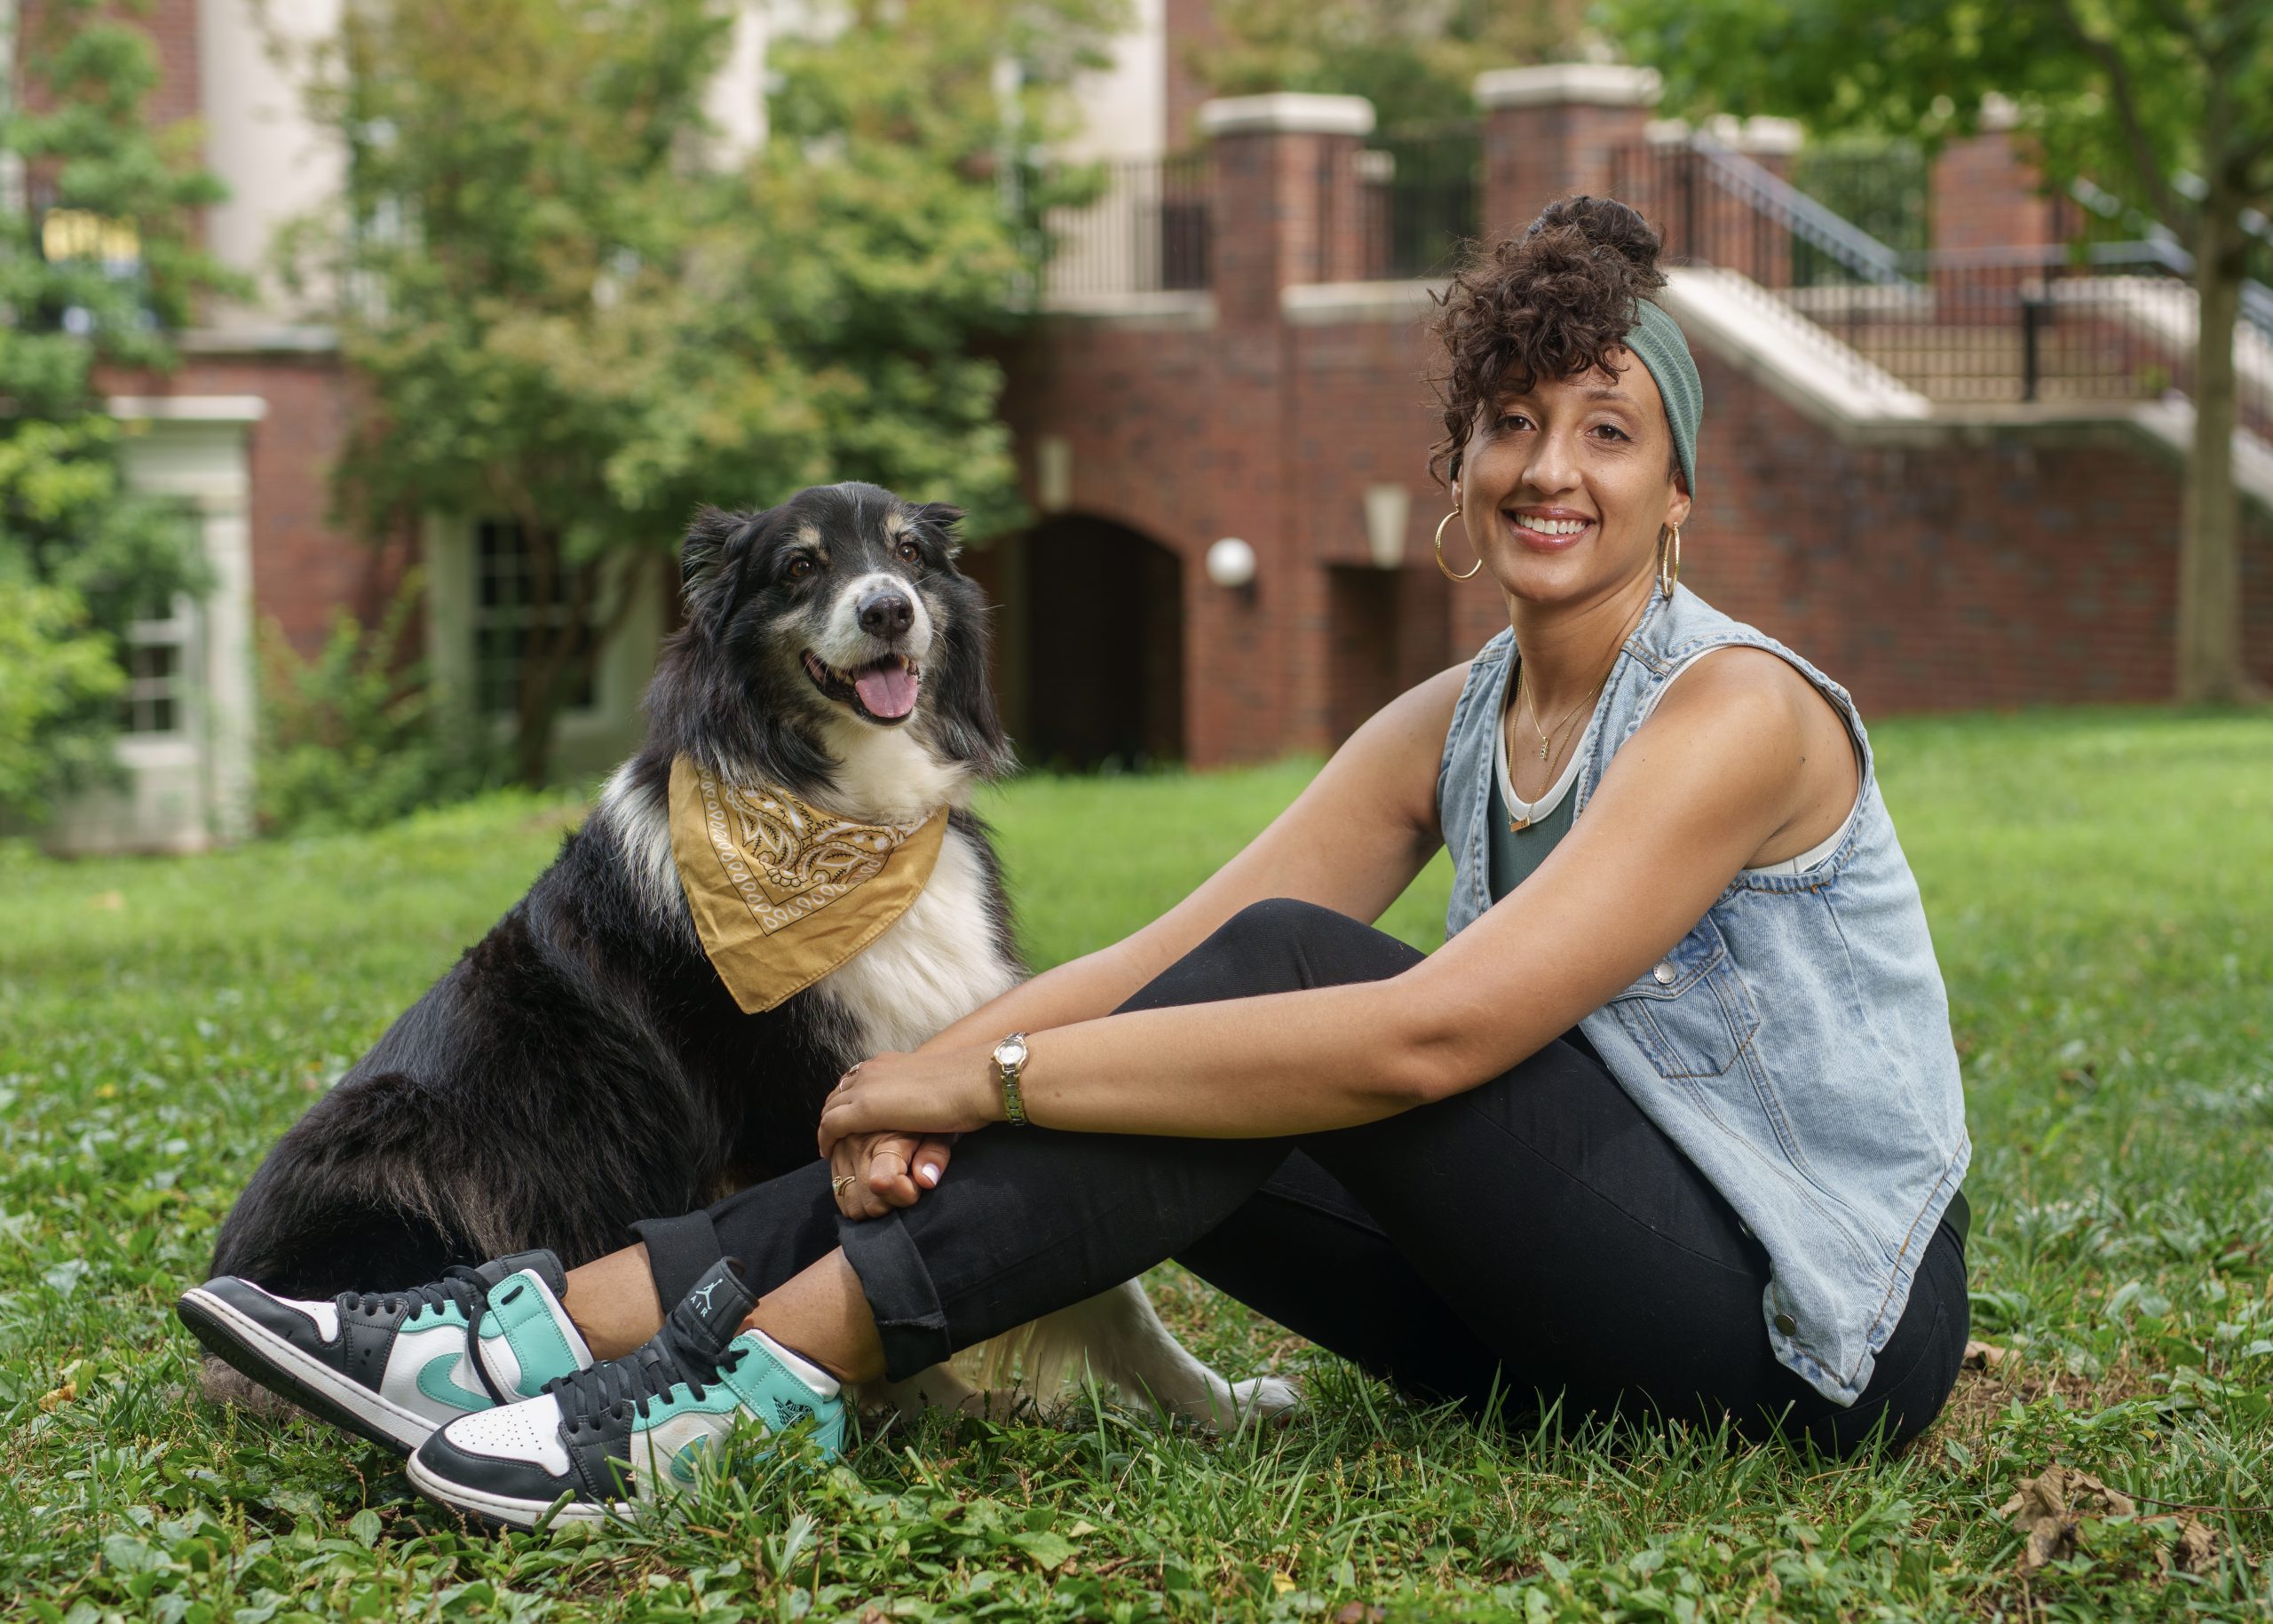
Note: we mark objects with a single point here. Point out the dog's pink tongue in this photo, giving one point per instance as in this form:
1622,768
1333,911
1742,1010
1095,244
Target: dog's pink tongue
887,690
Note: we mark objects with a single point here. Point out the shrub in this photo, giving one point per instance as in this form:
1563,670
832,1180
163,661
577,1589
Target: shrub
58,679
357,737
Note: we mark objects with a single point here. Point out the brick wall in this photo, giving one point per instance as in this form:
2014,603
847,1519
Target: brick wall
172,27
305,566
2015,569
1987,193
1191,26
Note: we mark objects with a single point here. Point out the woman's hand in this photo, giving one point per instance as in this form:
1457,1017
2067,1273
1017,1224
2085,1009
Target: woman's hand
923,1096
873,1173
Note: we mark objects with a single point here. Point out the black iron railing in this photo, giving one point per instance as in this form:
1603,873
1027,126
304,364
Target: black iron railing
1142,229
2075,324
1884,188
1423,199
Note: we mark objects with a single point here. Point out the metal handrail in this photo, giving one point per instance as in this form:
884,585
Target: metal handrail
1803,215
2171,251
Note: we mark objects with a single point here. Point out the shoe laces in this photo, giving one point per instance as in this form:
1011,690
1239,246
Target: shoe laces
634,1382
460,1285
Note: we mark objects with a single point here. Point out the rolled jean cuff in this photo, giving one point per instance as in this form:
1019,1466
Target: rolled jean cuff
910,1321
680,1251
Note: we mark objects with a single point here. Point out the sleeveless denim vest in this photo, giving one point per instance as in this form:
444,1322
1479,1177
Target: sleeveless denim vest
1795,1044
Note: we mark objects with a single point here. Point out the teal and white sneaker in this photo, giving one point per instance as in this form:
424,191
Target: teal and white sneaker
393,1365
636,1428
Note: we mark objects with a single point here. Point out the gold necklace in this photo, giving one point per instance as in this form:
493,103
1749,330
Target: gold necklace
1515,825
1524,701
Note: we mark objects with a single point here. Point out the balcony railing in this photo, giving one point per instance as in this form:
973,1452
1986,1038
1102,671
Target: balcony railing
1422,192
1143,230
2103,322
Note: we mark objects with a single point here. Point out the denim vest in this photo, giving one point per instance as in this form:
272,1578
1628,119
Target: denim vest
1795,1044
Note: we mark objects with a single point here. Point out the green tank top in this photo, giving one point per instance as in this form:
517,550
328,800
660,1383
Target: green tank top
1516,854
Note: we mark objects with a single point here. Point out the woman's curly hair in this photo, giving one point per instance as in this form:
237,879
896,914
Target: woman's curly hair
1549,303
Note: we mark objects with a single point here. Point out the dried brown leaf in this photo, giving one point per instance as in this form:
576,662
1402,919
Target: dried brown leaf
2049,1506
1985,1356
2196,1548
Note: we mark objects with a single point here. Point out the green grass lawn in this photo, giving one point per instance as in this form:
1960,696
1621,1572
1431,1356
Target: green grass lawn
2100,887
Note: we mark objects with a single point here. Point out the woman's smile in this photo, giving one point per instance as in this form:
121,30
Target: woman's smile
1549,529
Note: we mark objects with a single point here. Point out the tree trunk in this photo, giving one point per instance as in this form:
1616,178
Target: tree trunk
2209,550
560,606
564,648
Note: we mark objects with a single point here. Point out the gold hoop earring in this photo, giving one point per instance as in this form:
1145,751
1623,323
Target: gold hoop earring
1669,553
1441,565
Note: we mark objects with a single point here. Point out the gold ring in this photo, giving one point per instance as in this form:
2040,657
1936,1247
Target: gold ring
841,1183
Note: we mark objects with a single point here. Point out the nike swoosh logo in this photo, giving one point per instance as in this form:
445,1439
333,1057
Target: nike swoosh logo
685,1460
434,1382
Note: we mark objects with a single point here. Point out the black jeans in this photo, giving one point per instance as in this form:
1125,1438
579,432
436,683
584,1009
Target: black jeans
1533,1237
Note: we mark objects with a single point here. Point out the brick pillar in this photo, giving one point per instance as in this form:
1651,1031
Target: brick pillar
1287,205
1987,191
1549,132
1284,211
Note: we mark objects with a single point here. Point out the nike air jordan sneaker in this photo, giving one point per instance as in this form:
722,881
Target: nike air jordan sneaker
638,1429
393,1365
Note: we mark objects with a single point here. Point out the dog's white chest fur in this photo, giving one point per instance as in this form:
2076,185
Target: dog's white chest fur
936,963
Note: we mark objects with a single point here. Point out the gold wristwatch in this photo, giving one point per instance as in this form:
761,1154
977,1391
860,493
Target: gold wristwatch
1010,1059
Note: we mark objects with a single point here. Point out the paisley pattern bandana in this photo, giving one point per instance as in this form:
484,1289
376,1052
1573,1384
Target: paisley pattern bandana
782,892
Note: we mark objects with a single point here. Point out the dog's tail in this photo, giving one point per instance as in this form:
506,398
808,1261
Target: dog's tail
1115,1340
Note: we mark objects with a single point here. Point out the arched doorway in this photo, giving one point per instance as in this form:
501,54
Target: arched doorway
1089,642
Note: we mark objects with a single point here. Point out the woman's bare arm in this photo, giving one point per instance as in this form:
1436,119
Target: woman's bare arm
1686,802
1352,841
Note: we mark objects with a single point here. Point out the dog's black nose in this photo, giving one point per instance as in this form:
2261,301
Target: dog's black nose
886,612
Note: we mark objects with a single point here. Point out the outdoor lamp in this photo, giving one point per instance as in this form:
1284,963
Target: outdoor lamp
1231,563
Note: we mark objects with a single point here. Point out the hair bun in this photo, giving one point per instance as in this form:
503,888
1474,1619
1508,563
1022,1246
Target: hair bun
1604,223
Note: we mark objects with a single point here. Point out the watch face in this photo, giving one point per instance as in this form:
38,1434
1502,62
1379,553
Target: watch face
1011,1052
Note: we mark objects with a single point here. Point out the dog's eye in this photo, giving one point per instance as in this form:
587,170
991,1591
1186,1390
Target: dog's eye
799,567
910,553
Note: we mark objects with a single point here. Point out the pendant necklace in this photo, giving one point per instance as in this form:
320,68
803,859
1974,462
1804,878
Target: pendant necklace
1547,741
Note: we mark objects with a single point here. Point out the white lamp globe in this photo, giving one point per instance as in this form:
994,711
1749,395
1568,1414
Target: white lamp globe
1231,563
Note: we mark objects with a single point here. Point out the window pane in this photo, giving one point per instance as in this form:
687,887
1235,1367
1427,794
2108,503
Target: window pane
152,661
505,610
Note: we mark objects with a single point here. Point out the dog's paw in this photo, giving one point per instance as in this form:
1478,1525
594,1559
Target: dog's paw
1265,1399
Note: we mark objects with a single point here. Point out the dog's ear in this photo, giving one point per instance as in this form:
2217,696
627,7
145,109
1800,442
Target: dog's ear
942,516
708,539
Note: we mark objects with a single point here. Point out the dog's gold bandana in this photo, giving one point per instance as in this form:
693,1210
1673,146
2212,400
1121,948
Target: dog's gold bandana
782,892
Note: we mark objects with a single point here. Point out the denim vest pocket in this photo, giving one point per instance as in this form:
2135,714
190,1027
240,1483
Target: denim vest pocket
1691,1012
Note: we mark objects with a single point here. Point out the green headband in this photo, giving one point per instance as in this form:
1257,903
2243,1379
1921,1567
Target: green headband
1657,344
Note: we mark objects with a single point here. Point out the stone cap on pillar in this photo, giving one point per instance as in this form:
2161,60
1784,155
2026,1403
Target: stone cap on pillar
1288,113
1602,84
1758,137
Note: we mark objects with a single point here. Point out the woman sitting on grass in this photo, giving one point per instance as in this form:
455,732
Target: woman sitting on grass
1670,1127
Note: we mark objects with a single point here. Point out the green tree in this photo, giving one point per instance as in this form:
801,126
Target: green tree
98,266
574,313
1416,63
2131,94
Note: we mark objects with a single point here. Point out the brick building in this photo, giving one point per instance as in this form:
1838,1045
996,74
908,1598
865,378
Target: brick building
1952,483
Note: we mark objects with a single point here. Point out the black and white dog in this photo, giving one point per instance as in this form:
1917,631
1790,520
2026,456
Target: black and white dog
584,1065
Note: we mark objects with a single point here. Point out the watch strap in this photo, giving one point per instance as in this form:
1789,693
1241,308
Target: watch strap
1014,1105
